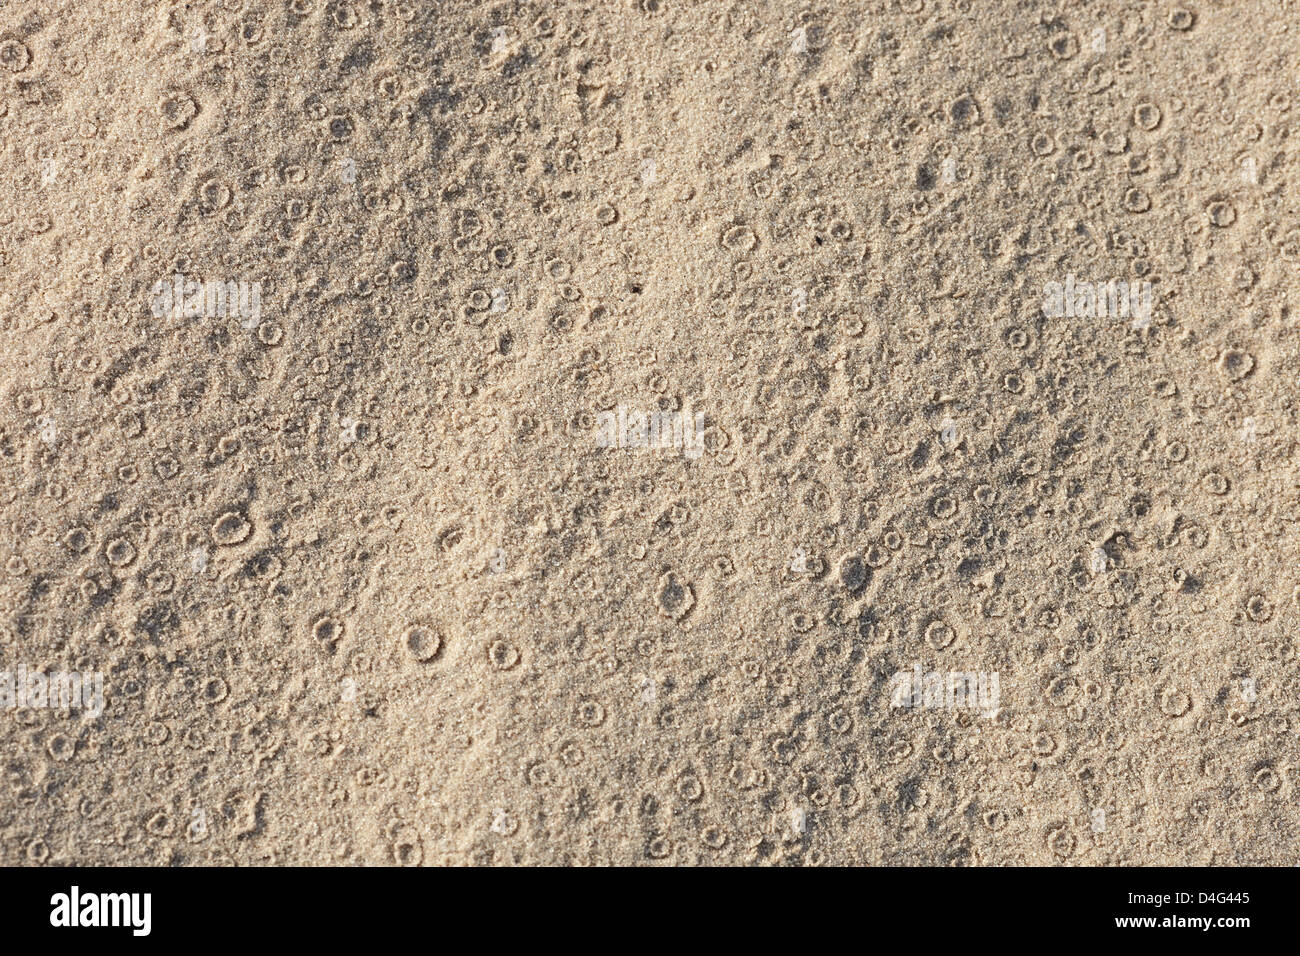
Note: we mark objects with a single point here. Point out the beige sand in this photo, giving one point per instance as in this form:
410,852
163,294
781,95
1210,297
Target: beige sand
375,565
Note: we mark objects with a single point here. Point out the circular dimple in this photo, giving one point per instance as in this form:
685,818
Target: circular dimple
1221,213
674,598
214,194
1236,364
898,751
591,713
876,556
659,848
1181,19
1114,141
61,747
422,642
230,529
1042,144
1268,780
939,635
120,552
156,733
341,127
327,629
1060,840
1258,608
177,110
689,787
1136,200
715,838
1061,691
853,573
29,403
215,690
1174,702
1215,483
739,239
1063,46
1146,116
14,55
77,540
502,655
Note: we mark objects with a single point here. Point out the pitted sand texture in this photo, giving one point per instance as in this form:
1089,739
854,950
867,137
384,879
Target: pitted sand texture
650,432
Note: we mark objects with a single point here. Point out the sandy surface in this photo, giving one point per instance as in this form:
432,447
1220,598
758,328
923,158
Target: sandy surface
377,567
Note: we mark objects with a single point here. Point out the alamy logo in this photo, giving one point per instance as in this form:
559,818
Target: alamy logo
191,299
629,428
1086,300
102,909
946,690
33,688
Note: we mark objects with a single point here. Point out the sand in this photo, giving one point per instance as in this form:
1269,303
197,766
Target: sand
648,433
